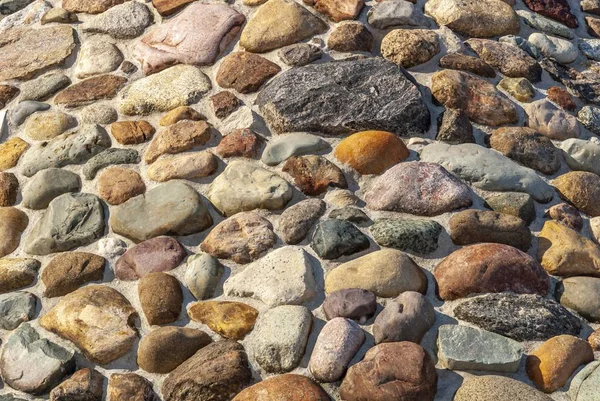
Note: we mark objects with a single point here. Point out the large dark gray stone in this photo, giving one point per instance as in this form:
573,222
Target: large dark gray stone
343,96
520,317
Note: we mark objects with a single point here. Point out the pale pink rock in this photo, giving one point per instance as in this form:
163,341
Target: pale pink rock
198,35
424,189
158,254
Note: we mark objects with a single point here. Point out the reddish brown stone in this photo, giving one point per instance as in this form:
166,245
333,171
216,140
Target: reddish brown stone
561,97
224,103
69,271
90,90
161,298
9,188
314,174
338,10
289,387
7,93
117,185
558,10
485,268
240,143
245,72
158,254
84,385
130,387
457,61
567,215
132,132
594,340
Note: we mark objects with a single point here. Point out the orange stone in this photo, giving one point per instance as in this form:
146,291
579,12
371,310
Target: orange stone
371,152
231,320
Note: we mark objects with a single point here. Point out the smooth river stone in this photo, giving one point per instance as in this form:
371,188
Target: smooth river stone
487,169
12,224
551,121
195,36
282,147
289,387
16,308
161,298
69,271
179,137
581,294
187,166
406,318
582,154
173,208
202,275
296,221
158,254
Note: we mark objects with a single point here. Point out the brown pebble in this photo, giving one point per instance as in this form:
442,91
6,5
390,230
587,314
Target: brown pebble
132,132
9,187
240,143
561,97
180,113
161,298
117,185
224,103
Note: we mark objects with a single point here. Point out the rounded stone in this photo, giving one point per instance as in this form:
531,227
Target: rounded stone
334,238
202,275
550,121
117,185
581,189
581,294
69,271
9,188
418,236
158,254
290,387
161,298
352,303
410,47
48,125
350,37
406,318
497,388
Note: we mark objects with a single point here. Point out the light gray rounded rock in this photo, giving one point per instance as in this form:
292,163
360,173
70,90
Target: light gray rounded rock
109,157
283,147
98,113
551,121
125,21
71,220
561,50
390,13
44,86
582,154
581,294
16,308
406,318
24,110
202,275
97,57
47,185
585,384
279,338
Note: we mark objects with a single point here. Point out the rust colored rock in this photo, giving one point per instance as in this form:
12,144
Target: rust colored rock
594,340
69,271
158,254
224,103
84,385
338,10
231,320
9,188
132,132
314,174
177,138
130,387
457,61
240,143
161,298
489,268
558,10
561,97
12,224
371,152
89,90
350,37
245,72
169,7
288,387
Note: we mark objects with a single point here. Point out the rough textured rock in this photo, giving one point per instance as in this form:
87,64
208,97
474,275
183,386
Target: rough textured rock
16,308
454,127
9,188
567,215
283,147
283,277
334,98
513,203
462,62
71,220
90,6
280,336
132,132
97,319
27,51
69,271
520,317
485,268
299,54
154,213
338,10
12,224
278,23
197,35
487,169
333,238
109,157
519,88
158,254
129,386
424,189
44,86
85,384
48,125
296,221
290,387
232,320
551,121
406,318
581,189
11,151
125,21
389,13
565,252
419,236
24,349
480,19
224,103
467,348
161,297
218,372
582,295
179,137
90,90
350,37
16,273
391,370
386,273
187,166
558,10
245,72
244,186
561,97
338,342
490,387
313,175
551,364
482,102
117,185
410,47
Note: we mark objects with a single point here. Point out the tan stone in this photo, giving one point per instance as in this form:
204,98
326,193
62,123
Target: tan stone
47,125
177,138
180,113
187,166
581,189
132,132
338,10
410,47
11,151
117,185
12,224
231,320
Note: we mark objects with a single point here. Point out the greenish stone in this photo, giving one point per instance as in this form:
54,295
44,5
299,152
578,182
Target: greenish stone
334,238
409,235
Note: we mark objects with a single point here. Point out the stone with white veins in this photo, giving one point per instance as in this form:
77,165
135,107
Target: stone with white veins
467,348
282,277
487,169
582,155
279,337
125,21
390,13
282,147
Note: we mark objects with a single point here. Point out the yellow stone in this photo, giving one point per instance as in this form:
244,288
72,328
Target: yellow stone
564,252
48,125
180,113
232,320
11,151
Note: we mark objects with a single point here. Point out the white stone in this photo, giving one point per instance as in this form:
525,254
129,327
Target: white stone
559,49
582,155
97,57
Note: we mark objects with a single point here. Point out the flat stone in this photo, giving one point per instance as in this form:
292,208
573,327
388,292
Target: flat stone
313,175
169,7
418,236
386,273
129,386
217,371
513,203
289,387
406,318
97,57
335,238
519,88
16,273
338,342
352,214
581,294
410,47
454,127
243,238
197,36
280,337
551,364
283,277
544,24
551,121
25,17
202,275
109,157
402,369
116,185
90,90
283,147
350,37
424,189
180,85
351,303
124,21
188,166
245,72
482,102
389,13
581,154
24,349
473,226
244,186
132,132
468,348
48,184
158,254
560,50
462,62
299,54
224,103
90,6
490,387
97,319
9,188
59,15
475,18
279,23
335,98
73,148
232,320
567,215
558,10
69,271
581,189
28,51
487,169
165,348
179,137
240,143
520,317
16,308
161,298
338,10
154,213
296,221
527,147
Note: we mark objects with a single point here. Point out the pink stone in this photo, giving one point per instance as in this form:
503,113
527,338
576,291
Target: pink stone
158,254
197,36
